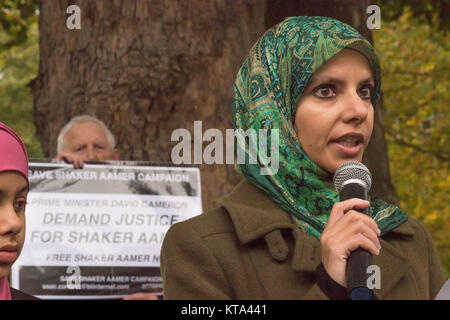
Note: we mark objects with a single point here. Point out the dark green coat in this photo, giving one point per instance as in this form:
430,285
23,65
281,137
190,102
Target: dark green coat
249,249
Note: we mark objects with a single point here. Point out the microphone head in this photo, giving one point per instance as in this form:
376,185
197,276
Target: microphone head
352,171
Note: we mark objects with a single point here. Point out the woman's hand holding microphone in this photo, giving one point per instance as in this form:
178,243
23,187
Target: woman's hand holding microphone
346,230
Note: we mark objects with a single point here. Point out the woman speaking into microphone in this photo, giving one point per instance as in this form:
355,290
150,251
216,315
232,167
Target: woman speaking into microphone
285,234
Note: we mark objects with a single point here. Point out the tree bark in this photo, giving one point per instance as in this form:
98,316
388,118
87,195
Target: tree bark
145,68
353,13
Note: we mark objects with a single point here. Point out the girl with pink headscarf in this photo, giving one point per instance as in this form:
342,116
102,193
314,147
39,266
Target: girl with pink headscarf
14,188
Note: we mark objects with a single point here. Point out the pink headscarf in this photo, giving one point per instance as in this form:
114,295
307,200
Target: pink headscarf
13,157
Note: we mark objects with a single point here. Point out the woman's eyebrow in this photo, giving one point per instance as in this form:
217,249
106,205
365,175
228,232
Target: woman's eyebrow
24,189
338,81
367,80
325,80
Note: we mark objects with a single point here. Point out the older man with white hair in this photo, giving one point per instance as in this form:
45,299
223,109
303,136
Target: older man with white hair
84,139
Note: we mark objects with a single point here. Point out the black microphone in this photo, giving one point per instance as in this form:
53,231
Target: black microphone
353,180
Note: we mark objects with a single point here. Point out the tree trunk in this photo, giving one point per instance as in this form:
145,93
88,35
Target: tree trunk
146,68
353,13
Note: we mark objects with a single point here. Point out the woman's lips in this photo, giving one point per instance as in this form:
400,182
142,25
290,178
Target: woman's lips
8,254
348,151
7,257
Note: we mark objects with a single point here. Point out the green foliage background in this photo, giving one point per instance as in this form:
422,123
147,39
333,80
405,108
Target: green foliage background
415,61
19,60
413,46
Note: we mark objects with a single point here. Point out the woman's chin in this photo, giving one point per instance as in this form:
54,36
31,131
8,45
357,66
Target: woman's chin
331,157
332,165
5,270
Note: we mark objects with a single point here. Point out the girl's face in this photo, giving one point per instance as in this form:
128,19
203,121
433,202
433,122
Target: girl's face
334,118
13,198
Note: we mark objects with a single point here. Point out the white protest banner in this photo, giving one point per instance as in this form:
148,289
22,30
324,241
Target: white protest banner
97,232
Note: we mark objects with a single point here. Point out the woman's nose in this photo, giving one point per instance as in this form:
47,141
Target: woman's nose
356,109
10,222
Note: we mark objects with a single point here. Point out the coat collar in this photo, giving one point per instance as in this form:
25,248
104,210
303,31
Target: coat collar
256,215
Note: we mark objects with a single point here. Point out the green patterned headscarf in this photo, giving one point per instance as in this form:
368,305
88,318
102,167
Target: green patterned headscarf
267,90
